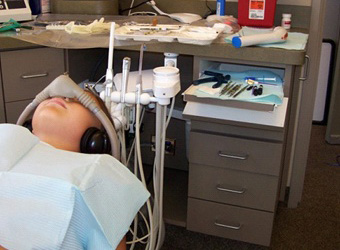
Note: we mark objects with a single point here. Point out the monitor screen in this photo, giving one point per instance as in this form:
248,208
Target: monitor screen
15,4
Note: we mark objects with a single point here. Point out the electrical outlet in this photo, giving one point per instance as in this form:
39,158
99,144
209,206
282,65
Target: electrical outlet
170,145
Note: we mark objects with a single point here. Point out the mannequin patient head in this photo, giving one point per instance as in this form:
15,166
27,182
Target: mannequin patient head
61,122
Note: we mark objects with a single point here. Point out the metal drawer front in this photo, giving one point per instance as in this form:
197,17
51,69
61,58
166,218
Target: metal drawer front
230,222
235,153
233,187
14,109
27,72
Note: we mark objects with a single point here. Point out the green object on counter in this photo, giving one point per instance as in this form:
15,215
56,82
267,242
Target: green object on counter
12,25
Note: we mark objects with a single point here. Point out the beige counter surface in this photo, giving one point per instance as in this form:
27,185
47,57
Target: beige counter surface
218,49
227,51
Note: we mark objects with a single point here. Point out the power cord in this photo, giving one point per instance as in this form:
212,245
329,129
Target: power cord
210,11
133,7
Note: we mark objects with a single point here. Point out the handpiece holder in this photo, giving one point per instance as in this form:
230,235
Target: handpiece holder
166,85
278,35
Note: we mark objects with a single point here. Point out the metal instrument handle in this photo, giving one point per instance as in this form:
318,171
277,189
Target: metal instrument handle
306,69
238,157
34,76
204,80
241,191
238,227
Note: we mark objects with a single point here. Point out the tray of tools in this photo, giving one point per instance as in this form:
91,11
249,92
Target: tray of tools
228,89
168,33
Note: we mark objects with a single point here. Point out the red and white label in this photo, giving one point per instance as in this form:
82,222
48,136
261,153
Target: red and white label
256,9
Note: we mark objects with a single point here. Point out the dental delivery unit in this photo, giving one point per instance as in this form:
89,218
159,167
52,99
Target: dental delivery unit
166,84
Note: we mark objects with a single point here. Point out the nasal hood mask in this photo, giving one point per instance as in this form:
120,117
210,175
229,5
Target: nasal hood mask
64,86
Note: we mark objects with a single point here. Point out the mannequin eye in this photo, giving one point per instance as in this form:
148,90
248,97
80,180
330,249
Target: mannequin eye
72,100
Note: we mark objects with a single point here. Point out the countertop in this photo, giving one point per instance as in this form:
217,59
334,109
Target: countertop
218,49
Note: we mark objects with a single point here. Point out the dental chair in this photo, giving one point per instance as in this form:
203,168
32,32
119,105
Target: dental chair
56,199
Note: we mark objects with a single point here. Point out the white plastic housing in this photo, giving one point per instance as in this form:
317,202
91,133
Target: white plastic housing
170,59
131,98
278,35
166,83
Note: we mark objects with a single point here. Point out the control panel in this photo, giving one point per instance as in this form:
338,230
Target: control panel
19,10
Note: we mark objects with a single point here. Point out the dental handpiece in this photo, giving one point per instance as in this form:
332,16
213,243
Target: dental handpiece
125,77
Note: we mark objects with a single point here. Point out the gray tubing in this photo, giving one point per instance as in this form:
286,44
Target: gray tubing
64,86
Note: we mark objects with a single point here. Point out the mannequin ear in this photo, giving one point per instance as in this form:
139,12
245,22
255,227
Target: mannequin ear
28,124
95,141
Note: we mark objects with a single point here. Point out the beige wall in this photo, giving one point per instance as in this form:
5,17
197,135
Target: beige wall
298,8
288,2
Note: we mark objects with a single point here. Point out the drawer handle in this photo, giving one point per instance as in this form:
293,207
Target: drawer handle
34,76
228,226
238,157
231,190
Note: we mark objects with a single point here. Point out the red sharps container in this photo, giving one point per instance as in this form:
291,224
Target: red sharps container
256,13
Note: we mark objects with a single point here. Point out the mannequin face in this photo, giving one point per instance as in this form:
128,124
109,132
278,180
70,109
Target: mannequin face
62,122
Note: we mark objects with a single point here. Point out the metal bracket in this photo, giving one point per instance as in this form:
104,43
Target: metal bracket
306,69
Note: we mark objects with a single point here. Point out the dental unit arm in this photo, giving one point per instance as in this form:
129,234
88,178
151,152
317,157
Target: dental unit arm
165,86
278,35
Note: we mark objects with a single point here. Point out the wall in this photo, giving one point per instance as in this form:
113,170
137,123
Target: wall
197,6
332,20
300,9
332,31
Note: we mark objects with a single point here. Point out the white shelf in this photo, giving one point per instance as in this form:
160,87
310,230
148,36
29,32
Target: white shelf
275,118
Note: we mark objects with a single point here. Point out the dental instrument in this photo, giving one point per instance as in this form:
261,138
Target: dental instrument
240,91
109,71
218,77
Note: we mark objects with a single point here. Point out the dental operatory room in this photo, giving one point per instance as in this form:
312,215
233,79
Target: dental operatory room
169,124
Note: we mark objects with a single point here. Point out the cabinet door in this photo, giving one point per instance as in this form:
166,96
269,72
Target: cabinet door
26,72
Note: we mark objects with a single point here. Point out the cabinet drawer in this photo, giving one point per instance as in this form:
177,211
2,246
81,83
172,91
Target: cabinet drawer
14,110
230,222
27,72
235,153
233,187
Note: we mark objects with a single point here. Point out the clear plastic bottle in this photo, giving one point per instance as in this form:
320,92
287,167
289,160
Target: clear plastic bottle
286,21
220,7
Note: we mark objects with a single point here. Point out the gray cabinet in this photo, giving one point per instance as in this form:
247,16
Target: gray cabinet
25,73
233,180
235,165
